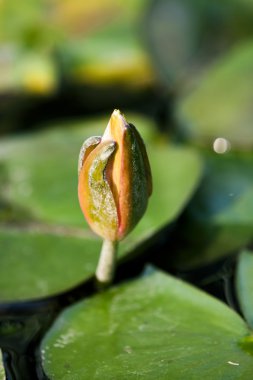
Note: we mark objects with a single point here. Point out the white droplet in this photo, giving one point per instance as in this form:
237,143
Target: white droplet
232,363
221,145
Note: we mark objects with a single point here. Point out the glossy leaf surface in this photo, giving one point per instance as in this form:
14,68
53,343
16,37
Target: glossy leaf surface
154,327
220,213
244,284
186,36
2,372
35,264
220,104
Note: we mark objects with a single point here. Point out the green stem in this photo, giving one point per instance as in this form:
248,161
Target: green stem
106,263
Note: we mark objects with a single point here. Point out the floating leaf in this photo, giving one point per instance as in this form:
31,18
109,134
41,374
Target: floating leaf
52,248
35,74
220,104
93,61
186,35
156,327
244,284
35,264
220,213
2,372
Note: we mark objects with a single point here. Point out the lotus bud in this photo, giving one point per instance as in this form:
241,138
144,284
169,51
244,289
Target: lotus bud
114,180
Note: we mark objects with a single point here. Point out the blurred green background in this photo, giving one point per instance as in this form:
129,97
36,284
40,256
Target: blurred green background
63,59
181,71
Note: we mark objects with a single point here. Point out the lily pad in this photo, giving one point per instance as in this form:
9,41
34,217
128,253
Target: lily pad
47,246
2,372
93,60
244,284
185,36
220,104
154,327
35,264
220,213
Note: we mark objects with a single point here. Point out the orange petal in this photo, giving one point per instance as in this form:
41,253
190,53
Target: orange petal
128,173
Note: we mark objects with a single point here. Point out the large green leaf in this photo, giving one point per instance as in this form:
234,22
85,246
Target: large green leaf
35,264
187,35
220,213
244,284
44,234
2,372
220,104
156,327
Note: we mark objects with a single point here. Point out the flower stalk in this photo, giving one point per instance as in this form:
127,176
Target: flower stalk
107,262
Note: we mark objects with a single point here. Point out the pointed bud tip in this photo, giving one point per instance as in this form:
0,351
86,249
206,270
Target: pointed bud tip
119,116
117,113
118,123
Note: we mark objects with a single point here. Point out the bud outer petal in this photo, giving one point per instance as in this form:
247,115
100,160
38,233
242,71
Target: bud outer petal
95,195
86,149
128,173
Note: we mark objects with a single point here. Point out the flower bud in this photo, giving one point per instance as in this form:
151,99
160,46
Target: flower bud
114,179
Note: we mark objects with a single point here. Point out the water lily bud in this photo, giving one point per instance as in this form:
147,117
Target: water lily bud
114,179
